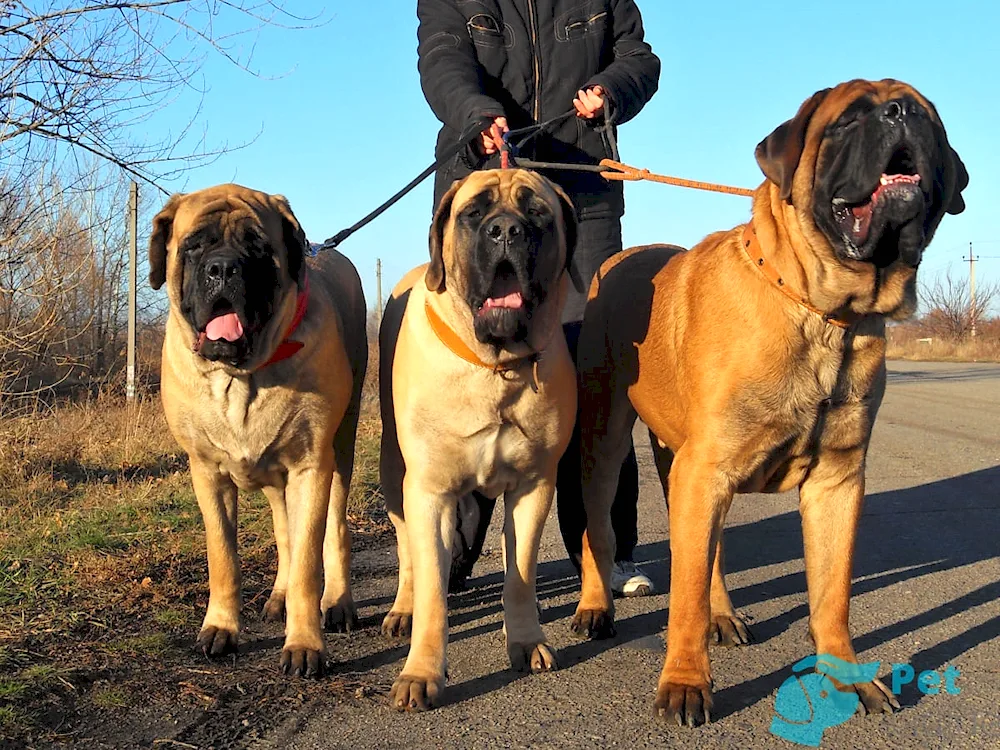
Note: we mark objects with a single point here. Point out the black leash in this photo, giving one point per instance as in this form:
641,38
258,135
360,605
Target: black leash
513,142
470,134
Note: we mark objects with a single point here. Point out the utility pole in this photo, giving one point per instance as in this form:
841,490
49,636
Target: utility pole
378,290
133,229
972,291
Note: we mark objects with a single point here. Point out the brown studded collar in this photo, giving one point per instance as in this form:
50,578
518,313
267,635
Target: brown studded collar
756,254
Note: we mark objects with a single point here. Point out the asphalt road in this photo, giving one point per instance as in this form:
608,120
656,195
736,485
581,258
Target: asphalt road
926,592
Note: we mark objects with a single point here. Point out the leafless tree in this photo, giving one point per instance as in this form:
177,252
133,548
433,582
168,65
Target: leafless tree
80,81
948,303
87,74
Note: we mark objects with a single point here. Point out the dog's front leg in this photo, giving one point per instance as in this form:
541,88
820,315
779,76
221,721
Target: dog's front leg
525,511
699,498
830,501
217,497
308,498
430,520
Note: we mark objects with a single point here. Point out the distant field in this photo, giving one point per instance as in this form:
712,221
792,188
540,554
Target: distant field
914,341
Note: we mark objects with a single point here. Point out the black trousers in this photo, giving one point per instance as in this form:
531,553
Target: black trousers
597,240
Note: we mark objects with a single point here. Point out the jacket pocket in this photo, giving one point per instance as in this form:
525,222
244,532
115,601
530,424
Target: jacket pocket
586,20
487,32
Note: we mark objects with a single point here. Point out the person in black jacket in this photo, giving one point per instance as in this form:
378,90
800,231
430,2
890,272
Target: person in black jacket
513,63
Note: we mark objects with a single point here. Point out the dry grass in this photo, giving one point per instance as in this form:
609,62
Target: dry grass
102,553
915,341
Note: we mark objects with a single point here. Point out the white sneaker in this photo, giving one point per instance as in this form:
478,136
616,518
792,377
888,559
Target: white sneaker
627,579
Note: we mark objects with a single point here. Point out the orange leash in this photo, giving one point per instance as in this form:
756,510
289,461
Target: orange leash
623,172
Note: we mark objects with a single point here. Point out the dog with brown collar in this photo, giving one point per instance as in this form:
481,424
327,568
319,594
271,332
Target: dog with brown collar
757,361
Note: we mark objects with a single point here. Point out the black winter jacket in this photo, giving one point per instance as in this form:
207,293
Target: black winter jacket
526,60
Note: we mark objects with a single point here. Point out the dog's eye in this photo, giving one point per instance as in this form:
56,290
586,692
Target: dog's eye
473,213
535,211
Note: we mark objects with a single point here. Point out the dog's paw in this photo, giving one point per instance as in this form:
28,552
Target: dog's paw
341,617
683,705
414,693
300,661
534,657
215,642
397,624
274,608
876,698
730,630
595,624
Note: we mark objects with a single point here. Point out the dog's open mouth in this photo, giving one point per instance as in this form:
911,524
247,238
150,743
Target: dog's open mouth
899,181
224,325
505,293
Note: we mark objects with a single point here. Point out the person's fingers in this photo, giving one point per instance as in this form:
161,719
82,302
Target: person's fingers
595,99
581,109
501,122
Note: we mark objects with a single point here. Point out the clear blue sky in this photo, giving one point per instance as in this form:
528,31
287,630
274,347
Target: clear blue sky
343,123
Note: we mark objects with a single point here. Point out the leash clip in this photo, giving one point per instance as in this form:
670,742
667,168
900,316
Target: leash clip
507,151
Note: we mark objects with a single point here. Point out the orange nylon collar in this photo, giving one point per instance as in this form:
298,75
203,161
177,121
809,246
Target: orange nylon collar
462,350
288,347
756,254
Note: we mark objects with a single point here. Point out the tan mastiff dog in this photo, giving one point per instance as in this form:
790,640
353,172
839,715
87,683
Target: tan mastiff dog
757,360
263,362
478,396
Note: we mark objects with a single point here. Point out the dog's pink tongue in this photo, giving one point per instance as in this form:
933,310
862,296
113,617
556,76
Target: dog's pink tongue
513,301
226,327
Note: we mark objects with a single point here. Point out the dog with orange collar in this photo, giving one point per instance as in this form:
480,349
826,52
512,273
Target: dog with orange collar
478,396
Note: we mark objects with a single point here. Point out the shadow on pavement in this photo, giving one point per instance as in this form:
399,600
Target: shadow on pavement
904,535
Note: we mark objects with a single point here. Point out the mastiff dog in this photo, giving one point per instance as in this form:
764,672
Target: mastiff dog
262,367
478,400
757,361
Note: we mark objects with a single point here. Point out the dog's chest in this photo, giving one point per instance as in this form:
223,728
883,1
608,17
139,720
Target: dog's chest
496,441
251,438
821,408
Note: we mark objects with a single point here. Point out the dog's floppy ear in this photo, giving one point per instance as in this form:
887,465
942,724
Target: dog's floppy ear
569,231
434,278
957,203
293,237
163,224
778,155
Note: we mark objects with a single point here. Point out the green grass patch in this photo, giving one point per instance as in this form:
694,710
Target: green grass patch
111,697
154,644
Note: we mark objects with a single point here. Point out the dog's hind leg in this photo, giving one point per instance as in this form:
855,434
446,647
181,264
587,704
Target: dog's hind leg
339,613
274,609
525,511
398,621
728,626
605,429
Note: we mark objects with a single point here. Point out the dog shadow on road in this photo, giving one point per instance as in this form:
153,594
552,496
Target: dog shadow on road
904,535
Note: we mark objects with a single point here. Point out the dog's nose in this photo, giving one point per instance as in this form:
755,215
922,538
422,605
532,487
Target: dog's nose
894,110
505,229
221,268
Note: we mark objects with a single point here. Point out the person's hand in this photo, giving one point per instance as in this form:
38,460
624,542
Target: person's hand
589,103
492,139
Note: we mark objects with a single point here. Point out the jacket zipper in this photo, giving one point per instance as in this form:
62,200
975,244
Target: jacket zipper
534,58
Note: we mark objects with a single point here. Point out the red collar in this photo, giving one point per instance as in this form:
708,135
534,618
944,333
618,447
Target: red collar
288,347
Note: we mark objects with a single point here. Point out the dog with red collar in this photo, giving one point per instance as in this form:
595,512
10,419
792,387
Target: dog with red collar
262,368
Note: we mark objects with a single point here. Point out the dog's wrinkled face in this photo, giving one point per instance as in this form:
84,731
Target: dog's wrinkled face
870,164
500,241
230,257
